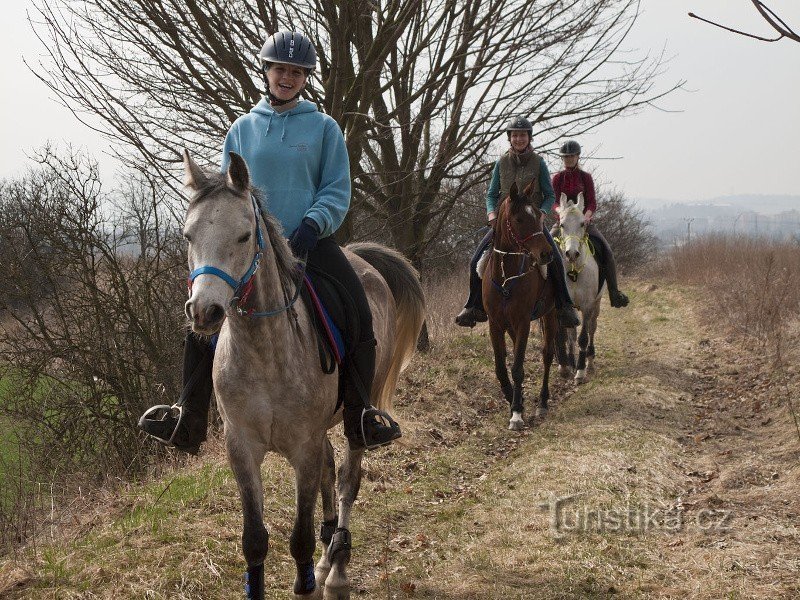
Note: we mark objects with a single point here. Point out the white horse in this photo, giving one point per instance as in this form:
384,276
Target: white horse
583,281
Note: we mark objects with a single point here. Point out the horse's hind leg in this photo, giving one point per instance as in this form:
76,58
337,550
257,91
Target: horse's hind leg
549,331
566,360
245,460
337,585
329,515
518,375
308,473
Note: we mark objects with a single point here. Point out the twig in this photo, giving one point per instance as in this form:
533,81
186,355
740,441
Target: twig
769,16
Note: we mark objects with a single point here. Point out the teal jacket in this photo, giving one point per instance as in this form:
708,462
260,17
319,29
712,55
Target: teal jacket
298,159
493,195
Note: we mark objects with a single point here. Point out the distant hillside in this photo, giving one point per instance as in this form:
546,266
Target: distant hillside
772,216
762,203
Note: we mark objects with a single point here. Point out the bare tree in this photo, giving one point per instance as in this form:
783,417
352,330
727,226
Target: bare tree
420,88
772,18
92,322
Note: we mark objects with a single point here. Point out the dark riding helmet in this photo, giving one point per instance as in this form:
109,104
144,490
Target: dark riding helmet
519,124
570,148
288,48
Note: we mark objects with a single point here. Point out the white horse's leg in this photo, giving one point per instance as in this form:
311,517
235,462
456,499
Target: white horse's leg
592,330
245,457
583,341
329,515
337,585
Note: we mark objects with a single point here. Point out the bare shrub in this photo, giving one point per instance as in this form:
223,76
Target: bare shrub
92,322
755,283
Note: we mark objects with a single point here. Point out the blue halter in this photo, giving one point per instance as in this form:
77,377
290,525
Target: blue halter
236,285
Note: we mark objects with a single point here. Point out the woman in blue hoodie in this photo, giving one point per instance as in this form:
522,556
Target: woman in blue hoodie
286,135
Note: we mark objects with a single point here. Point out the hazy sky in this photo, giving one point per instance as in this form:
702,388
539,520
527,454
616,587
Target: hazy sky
737,130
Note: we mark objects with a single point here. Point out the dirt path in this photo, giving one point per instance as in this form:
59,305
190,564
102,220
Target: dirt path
673,473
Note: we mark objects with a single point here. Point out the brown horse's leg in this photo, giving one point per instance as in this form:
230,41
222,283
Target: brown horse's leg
329,515
308,473
245,459
549,329
521,332
566,358
498,337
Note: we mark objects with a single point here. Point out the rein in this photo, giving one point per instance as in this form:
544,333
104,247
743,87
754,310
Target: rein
523,271
244,286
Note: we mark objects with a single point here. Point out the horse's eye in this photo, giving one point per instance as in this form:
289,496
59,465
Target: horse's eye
187,237
244,238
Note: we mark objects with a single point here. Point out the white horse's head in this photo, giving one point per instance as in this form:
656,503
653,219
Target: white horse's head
221,231
572,226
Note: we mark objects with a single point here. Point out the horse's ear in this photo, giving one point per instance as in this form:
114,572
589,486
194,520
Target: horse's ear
562,203
238,176
580,202
193,177
514,191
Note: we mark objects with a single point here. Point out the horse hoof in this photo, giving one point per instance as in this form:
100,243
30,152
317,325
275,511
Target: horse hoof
565,371
580,377
541,412
590,368
315,595
332,593
516,423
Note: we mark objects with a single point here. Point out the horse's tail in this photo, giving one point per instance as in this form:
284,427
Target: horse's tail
403,280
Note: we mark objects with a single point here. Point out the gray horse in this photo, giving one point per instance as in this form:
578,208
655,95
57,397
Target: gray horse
271,390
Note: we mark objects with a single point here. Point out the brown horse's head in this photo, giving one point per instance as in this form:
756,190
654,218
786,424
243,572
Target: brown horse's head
520,227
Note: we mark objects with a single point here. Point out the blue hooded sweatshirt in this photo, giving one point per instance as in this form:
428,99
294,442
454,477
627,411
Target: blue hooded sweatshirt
298,159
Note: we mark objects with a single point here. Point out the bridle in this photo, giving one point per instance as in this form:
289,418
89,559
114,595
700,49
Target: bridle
525,267
243,287
583,240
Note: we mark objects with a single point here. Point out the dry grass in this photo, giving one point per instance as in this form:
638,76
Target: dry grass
677,419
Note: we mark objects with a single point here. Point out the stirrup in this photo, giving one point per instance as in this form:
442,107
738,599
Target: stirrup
156,422
384,425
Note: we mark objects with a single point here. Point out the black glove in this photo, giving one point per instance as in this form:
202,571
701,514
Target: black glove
304,239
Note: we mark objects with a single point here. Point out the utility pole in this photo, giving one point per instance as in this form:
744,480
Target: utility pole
688,229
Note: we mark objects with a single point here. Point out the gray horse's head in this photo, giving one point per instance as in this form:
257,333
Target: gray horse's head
573,228
220,228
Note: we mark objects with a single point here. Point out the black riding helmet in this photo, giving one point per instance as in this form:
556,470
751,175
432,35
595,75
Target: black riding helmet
570,148
519,124
287,48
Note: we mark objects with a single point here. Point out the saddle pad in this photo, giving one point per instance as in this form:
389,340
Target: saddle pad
325,324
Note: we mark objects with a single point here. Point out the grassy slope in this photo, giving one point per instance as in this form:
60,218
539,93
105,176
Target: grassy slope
454,510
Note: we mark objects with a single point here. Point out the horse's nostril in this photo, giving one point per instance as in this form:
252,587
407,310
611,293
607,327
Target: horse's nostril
188,311
215,313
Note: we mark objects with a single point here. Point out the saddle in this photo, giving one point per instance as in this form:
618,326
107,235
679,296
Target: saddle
334,314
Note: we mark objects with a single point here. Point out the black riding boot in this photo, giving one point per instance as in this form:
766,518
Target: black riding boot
609,268
473,311
183,425
567,315
364,425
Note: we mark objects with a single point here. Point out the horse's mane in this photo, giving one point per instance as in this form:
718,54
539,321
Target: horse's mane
216,183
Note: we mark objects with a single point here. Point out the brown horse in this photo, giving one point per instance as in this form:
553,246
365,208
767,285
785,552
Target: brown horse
516,291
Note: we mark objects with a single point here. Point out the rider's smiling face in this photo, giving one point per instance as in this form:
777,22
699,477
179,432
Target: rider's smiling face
285,81
520,140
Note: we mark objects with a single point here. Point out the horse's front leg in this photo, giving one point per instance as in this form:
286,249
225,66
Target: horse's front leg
337,585
245,458
308,473
329,515
592,330
549,330
521,333
583,342
498,337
